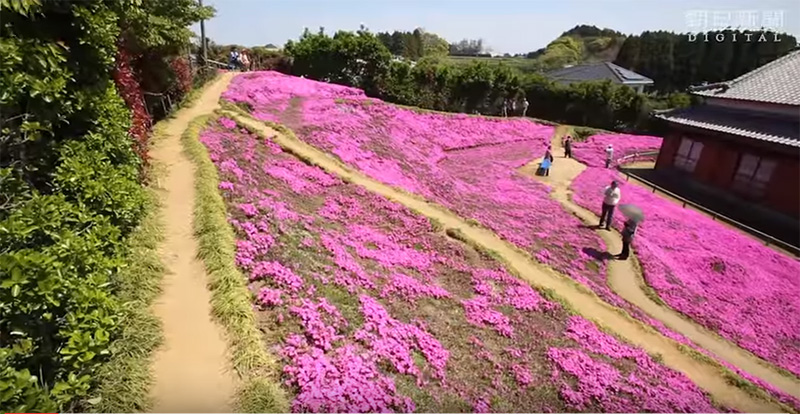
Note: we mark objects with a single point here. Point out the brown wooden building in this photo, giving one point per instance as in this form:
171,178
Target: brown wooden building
744,138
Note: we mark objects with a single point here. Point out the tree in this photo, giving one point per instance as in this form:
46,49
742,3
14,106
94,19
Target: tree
467,47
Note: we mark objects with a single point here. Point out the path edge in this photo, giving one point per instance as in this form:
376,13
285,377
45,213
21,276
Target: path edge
231,304
125,381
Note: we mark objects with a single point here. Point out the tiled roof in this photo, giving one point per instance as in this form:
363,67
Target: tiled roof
598,71
776,82
784,132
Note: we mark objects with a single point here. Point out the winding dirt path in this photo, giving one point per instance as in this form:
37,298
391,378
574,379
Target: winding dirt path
625,278
192,369
705,375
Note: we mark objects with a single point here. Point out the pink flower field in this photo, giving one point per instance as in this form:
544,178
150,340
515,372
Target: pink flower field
466,163
722,279
374,309
592,151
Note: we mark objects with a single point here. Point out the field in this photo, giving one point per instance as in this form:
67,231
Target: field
373,308
720,278
469,165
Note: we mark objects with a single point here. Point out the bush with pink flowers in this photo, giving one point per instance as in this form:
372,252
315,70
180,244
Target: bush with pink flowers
372,310
724,280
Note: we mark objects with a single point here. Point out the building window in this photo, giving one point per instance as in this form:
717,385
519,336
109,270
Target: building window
753,175
688,155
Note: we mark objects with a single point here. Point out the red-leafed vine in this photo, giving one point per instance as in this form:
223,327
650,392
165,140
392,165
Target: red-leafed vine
130,89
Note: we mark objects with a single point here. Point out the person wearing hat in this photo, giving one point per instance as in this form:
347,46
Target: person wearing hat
609,155
611,196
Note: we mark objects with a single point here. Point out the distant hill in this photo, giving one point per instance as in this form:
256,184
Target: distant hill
581,44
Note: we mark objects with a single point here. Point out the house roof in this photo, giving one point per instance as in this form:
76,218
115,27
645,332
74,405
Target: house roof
599,71
776,82
734,122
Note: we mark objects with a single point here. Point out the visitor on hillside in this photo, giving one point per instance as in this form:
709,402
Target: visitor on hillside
513,107
233,59
627,236
568,147
611,196
244,60
525,107
545,166
505,108
609,155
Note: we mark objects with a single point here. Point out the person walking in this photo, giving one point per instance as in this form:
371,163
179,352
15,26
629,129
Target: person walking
233,59
568,147
627,237
525,105
547,161
505,108
244,60
611,196
609,155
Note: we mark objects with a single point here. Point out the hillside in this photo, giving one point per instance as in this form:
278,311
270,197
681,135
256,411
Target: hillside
581,44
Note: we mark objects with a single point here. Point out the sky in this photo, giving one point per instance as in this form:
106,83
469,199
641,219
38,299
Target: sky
506,26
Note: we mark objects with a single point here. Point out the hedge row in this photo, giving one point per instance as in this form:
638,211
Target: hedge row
70,189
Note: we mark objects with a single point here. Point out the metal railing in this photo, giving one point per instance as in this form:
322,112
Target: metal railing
766,238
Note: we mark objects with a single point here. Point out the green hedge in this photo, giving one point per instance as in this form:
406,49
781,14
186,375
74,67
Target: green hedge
70,197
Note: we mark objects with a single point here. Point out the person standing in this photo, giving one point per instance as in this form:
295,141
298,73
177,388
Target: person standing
505,108
233,59
611,196
609,155
568,147
525,105
627,237
244,60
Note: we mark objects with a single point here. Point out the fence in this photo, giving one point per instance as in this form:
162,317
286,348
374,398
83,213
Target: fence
649,155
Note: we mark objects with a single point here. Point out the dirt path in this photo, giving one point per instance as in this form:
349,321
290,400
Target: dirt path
626,280
705,375
192,369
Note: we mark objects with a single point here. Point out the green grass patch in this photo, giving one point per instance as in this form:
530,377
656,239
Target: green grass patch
231,304
124,382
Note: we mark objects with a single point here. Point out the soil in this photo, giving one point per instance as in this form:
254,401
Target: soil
191,370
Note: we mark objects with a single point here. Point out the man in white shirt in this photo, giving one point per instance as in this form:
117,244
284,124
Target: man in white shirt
610,200
609,155
525,107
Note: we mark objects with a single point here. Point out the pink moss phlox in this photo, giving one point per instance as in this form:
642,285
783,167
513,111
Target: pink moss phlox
269,297
394,341
278,274
342,380
478,311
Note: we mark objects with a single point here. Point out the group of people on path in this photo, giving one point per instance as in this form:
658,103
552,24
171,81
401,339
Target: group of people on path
238,60
611,197
510,107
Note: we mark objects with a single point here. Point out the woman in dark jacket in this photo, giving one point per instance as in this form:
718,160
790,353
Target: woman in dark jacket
627,236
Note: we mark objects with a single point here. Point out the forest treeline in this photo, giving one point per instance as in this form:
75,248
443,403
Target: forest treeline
676,61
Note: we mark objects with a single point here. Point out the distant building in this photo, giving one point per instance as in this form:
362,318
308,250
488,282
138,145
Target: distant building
744,138
598,72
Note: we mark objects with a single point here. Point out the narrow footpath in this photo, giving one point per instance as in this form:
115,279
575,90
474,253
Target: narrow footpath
626,280
705,375
192,369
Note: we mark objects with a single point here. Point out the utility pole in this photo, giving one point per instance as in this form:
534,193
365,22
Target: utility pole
203,41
